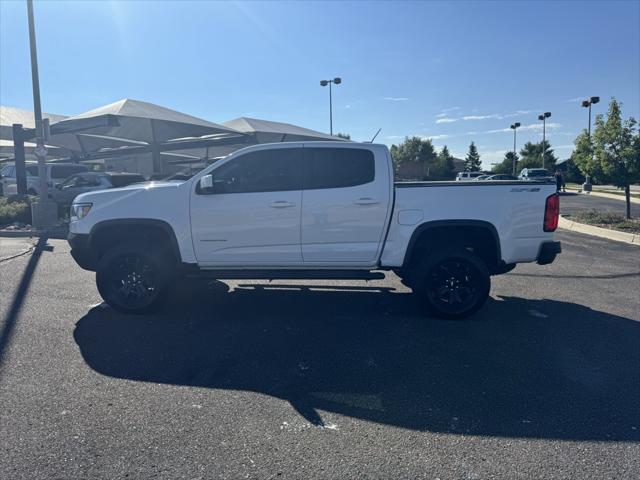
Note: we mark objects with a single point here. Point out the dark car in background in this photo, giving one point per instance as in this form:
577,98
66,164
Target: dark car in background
536,174
501,176
70,188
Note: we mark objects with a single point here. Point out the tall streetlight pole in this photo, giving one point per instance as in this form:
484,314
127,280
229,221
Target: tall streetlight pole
544,117
588,103
324,83
44,213
586,186
514,126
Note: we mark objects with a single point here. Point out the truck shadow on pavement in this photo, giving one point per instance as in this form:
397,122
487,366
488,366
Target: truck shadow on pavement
519,368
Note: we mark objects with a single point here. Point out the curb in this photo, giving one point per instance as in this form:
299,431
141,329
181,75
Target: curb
53,233
606,195
632,238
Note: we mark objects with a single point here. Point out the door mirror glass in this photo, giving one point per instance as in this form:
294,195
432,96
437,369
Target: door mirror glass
206,184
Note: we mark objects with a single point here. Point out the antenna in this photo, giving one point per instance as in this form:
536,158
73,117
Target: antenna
374,137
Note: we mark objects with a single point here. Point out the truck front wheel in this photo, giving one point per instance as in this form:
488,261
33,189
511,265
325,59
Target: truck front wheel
131,279
453,284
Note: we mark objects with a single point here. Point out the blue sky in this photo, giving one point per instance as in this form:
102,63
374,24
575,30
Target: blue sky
453,71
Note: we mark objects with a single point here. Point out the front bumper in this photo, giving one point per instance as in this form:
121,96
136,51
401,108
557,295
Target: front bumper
81,251
548,252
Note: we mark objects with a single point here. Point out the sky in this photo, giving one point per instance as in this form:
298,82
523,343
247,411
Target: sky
453,71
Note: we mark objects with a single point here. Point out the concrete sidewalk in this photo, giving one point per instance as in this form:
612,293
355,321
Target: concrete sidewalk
605,195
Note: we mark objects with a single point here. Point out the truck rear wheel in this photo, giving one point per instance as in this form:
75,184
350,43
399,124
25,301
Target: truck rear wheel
453,284
131,279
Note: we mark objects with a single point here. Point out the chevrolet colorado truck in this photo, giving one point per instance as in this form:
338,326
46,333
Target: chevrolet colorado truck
312,210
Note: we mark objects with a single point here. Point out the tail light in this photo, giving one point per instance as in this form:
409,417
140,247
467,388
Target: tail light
551,213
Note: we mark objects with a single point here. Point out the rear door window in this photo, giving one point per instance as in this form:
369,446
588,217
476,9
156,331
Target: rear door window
338,167
124,180
64,171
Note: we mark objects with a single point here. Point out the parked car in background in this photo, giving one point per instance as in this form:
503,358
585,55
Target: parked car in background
65,192
308,210
501,176
481,177
466,176
56,173
536,174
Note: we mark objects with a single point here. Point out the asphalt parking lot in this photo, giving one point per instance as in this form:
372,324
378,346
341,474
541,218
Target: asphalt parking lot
324,379
571,203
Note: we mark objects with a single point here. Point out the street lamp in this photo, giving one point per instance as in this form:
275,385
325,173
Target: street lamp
324,83
586,186
44,213
544,117
587,104
514,126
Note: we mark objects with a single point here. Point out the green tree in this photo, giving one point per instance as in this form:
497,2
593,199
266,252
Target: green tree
413,157
472,161
506,166
531,156
443,166
585,160
616,146
346,136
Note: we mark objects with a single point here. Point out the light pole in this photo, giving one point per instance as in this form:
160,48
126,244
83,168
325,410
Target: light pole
44,213
586,186
587,104
514,126
324,83
544,117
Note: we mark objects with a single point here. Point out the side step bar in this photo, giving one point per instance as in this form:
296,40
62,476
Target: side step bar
287,274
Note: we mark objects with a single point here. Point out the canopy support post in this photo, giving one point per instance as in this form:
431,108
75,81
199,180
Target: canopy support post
18,152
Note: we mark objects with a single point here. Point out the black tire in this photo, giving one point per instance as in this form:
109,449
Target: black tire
133,279
453,284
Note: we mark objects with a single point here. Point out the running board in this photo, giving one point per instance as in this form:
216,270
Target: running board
288,274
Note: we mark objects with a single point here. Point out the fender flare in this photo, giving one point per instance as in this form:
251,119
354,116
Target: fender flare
420,229
137,222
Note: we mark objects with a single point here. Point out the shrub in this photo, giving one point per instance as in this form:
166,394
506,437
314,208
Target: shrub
15,209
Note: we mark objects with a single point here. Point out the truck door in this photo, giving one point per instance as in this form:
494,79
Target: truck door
345,202
252,216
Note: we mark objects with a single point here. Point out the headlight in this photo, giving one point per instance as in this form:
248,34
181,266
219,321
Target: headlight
80,210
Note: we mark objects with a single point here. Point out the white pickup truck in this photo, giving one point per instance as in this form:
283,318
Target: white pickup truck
312,210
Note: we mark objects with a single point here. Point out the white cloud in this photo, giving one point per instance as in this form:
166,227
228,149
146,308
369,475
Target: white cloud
481,117
396,99
446,120
394,137
575,100
535,127
440,115
451,109
436,137
348,105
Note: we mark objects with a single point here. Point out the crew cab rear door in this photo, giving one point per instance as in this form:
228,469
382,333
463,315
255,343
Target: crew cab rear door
345,204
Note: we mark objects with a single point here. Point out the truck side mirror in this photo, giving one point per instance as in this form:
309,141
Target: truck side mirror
205,184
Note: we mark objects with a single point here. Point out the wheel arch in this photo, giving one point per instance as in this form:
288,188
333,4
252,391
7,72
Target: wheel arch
482,233
108,233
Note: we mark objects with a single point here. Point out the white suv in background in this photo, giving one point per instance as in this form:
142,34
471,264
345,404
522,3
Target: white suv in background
56,173
466,176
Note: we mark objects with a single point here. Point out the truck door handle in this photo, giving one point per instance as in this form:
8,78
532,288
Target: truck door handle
281,204
366,201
